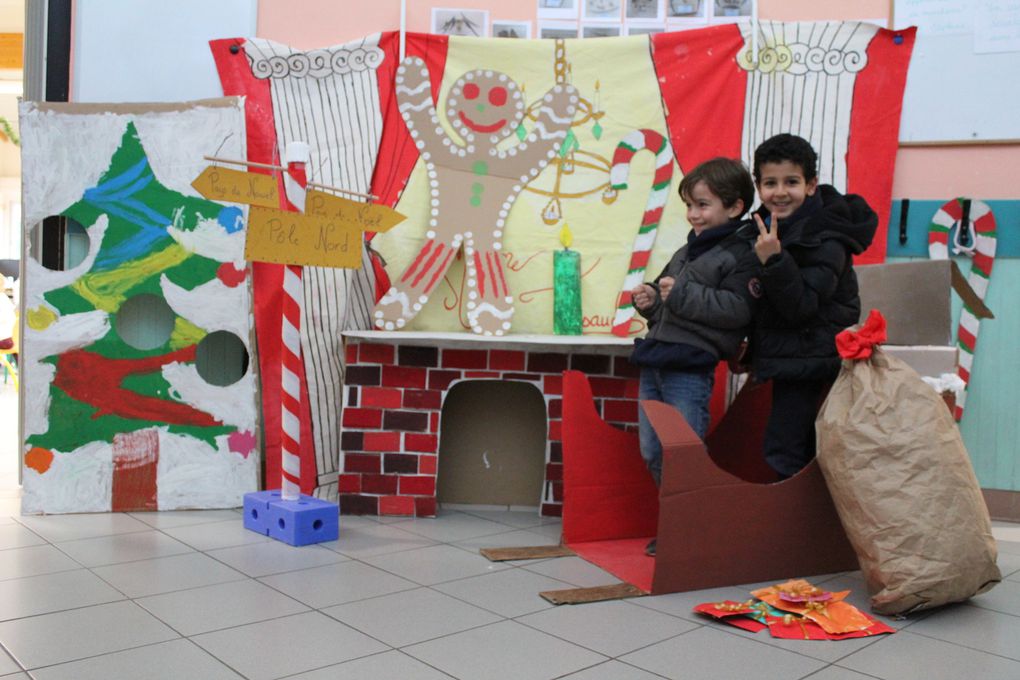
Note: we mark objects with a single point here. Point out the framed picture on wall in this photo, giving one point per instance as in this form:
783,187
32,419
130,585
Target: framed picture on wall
557,29
600,31
558,9
471,22
688,10
602,10
644,10
511,29
729,11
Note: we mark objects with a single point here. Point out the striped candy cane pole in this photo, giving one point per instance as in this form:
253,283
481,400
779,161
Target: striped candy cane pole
294,183
625,150
982,252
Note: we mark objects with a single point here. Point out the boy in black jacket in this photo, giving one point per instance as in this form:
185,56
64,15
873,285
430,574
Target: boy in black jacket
700,306
808,234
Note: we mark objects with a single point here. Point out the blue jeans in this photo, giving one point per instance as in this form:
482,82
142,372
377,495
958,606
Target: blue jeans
689,393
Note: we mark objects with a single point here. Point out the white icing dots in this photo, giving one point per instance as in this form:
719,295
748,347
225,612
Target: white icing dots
430,234
506,325
423,299
497,246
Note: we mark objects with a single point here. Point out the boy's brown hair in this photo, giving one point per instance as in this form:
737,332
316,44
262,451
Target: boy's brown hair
727,178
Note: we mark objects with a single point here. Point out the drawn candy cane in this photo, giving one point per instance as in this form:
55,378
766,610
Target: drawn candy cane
645,239
982,251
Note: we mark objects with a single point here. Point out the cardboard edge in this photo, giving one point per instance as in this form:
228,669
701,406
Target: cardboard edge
131,108
526,552
615,591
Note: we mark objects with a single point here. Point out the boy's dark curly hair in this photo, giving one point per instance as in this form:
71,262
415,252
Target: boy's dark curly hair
786,147
727,178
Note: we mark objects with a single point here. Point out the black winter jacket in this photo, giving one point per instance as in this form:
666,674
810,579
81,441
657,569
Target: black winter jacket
710,306
810,289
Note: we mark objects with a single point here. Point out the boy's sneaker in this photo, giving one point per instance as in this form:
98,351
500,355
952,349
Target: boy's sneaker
650,548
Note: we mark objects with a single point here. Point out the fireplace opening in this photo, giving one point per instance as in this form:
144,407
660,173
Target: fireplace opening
492,444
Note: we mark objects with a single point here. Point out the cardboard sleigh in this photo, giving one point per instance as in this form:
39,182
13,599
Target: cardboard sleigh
717,518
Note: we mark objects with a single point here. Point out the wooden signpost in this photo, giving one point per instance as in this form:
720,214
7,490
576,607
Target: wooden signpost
328,234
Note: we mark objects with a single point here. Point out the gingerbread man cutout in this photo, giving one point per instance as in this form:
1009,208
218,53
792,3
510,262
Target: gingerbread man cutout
472,185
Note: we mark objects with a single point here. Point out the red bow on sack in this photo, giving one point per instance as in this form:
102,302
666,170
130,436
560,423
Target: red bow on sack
857,344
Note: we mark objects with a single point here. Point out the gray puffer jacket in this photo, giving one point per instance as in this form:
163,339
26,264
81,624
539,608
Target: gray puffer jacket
713,297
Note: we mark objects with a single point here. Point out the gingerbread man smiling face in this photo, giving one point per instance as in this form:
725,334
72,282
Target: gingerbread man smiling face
485,104
473,183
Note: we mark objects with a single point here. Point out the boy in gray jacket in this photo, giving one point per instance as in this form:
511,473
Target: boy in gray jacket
700,307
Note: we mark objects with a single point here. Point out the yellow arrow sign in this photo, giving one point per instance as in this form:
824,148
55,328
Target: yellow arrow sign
237,186
363,216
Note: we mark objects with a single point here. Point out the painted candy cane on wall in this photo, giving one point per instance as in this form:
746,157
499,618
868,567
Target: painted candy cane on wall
295,182
981,250
645,239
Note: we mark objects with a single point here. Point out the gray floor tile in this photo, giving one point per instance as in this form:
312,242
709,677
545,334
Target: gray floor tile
974,627
365,540
837,673
509,538
435,564
519,519
166,574
7,664
386,666
18,676
286,646
224,605
212,535
451,527
337,583
1004,597
411,616
274,557
53,592
36,559
67,636
612,628
705,654
72,527
139,545
504,651
510,593
14,535
1009,564
573,570
612,670
906,656
174,660
169,519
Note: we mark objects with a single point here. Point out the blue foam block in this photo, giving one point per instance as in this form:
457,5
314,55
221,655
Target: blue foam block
256,510
304,521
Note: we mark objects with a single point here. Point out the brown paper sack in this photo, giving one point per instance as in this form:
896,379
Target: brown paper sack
904,488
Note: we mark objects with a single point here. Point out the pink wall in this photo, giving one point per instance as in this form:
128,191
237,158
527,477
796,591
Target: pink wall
922,172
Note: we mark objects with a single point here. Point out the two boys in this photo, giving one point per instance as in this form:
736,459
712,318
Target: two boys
791,280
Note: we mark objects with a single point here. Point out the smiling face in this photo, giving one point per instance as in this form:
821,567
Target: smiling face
782,187
705,210
485,103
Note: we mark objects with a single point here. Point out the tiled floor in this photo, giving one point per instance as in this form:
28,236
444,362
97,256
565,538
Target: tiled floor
194,595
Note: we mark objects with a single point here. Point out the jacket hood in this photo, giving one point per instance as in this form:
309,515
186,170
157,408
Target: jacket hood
846,218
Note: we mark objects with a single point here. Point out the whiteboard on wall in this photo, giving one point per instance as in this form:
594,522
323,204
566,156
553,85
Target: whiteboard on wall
965,61
152,50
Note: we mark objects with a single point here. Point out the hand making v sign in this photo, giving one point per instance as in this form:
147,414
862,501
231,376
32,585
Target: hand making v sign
767,244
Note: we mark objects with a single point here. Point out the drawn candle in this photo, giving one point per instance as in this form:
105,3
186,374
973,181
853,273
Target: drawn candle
566,287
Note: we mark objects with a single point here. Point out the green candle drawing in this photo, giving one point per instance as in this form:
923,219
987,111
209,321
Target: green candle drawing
566,287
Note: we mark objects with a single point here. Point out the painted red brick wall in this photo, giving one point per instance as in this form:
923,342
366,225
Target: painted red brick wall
395,395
